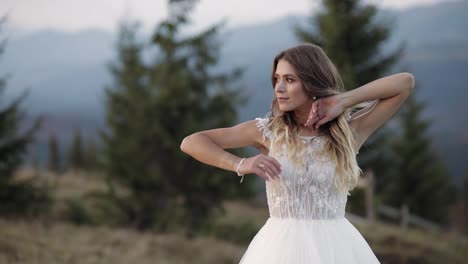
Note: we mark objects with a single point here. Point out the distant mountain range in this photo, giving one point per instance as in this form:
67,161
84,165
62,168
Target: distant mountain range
66,72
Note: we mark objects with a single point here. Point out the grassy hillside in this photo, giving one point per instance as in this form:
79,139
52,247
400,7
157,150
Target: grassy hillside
27,242
52,239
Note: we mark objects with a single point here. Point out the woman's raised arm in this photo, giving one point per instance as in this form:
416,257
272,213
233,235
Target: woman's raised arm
390,93
208,147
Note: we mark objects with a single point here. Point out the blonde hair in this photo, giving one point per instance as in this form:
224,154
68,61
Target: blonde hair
319,78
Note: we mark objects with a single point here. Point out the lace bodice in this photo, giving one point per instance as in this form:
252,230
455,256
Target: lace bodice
307,191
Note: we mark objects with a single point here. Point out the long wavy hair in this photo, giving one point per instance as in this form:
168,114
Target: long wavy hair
320,78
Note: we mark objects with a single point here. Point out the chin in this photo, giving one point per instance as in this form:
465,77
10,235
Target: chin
285,109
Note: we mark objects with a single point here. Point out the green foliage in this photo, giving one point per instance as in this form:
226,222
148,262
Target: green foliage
356,202
353,39
54,163
421,180
241,232
350,35
24,199
91,155
150,109
16,197
465,201
77,213
76,159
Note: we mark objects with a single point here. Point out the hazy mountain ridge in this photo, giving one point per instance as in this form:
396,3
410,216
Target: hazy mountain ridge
66,72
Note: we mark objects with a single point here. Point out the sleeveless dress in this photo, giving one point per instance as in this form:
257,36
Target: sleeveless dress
307,221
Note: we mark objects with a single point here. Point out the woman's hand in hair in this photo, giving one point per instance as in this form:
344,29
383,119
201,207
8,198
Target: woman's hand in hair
264,166
325,109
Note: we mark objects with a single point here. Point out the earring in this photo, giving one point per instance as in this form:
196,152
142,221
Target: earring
315,98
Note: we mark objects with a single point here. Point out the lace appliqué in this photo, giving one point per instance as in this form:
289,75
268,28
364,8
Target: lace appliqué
304,191
262,125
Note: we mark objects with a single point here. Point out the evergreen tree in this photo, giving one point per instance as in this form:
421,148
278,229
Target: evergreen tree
91,155
349,33
128,141
75,154
54,162
421,181
191,99
351,36
465,202
16,197
151,108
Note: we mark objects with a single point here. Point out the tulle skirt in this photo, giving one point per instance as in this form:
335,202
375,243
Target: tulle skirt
294,241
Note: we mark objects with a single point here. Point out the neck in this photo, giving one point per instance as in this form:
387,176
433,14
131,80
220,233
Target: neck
303,113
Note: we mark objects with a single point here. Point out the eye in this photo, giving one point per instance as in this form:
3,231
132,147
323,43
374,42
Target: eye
275,79
289,80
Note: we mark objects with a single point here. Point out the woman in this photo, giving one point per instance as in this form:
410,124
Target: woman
308,145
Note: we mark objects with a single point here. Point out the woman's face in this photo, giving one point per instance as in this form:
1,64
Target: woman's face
289,91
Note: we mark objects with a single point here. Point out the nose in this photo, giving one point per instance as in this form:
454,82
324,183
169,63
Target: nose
280,86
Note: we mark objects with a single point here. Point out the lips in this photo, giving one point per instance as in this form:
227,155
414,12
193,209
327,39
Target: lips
282,99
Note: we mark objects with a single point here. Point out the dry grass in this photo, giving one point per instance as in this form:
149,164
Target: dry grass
61,242
241,210
413,245
390,243
71,184
29,242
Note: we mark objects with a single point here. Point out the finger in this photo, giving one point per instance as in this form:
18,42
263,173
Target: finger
317,108
277,168
316,119
261,171
321,122
313,121
312,110
275,163
271,173
320,110
268,176
269,170
311,114
264,175
260,174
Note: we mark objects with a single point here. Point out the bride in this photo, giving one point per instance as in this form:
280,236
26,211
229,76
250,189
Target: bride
308,144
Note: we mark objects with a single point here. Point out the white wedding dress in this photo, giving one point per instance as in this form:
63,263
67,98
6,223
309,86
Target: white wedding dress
307,221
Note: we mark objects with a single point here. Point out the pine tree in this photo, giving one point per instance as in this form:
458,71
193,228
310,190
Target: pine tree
421,181
151,108
351,36
91,155
191,98
76,152
349,33
16,197
465,201
54,162
128,138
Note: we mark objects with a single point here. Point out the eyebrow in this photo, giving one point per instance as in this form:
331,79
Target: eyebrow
286,75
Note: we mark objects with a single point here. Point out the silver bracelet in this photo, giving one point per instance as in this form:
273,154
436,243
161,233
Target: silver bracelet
237,170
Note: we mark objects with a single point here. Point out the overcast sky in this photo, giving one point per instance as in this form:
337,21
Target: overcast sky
74,15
